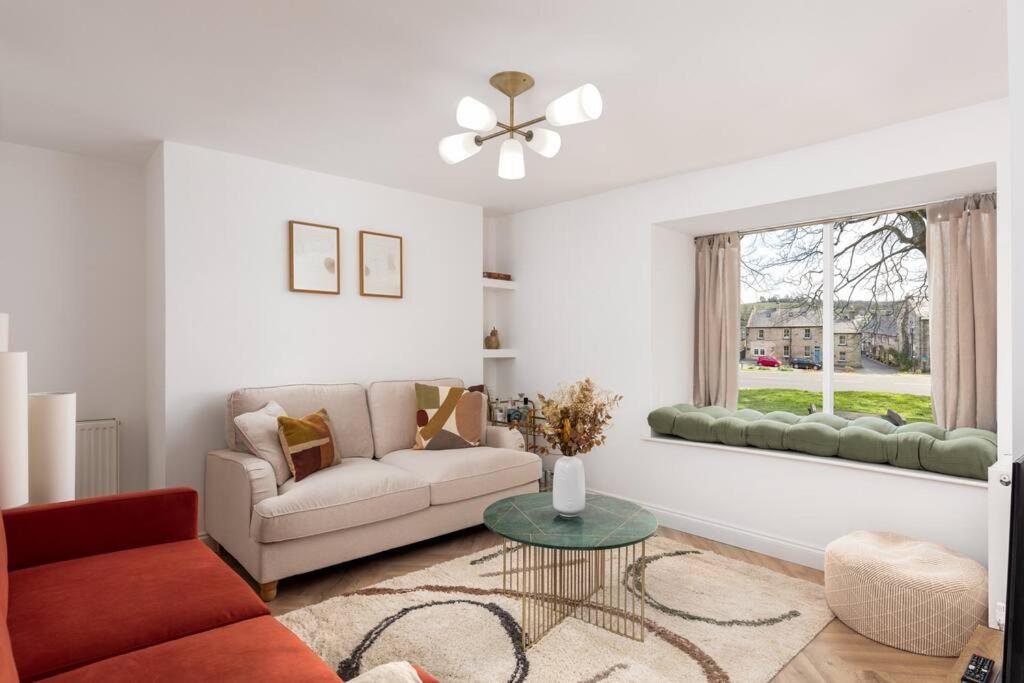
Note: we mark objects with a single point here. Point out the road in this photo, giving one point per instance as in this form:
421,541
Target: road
872,377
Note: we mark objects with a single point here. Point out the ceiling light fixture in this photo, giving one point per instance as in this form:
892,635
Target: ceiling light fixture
581,105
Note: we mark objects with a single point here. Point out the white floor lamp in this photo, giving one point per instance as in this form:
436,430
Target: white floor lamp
51,445
13,422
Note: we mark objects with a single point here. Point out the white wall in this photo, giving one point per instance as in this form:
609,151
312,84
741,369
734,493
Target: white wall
155,312
1012,310
71,276
231,322
590,261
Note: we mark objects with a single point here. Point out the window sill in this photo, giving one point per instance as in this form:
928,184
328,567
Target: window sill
824,461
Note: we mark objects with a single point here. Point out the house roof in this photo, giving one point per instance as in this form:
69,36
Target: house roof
775,315
885,325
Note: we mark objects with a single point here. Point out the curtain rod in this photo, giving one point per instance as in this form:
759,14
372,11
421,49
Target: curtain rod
838,219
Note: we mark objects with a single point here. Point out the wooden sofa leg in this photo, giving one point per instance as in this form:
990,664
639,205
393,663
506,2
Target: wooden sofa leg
268,591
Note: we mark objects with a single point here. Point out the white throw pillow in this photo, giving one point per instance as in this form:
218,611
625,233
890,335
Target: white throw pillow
393,672
259,429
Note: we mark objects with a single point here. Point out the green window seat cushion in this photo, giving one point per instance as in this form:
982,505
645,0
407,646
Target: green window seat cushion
963,452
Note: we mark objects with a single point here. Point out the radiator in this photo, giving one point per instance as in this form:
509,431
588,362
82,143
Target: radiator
97,452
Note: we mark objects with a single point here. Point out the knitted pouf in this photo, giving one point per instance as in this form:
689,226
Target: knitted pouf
915,596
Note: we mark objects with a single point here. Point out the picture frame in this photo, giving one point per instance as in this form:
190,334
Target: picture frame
381,265
314,258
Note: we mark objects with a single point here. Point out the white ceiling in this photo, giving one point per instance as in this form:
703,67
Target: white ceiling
365,89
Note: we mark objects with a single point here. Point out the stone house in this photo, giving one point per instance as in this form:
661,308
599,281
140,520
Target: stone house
786,332
906,332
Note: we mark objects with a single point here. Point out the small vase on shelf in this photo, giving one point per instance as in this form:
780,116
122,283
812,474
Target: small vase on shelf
492,341
569,488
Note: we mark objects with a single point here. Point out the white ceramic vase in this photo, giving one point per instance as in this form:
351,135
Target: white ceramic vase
569,488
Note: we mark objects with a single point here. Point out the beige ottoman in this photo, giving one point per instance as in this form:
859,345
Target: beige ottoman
916,596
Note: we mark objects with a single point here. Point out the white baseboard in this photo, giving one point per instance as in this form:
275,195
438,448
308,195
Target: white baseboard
749,539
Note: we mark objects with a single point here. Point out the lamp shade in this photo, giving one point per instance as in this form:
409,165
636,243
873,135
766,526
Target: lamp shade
51,447
458,147
510,160
582,104
13,429
475,115
545,142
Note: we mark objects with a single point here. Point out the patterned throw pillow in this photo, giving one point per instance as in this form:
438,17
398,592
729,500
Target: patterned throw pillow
308,443
448,417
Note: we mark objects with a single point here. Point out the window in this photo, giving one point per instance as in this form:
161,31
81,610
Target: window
879,327
760,334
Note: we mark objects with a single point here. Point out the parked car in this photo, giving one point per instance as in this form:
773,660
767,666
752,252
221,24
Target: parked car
768,361
805,364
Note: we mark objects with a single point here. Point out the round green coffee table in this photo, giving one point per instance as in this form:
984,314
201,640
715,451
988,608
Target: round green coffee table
590,567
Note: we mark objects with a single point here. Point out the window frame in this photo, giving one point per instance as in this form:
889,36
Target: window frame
807,333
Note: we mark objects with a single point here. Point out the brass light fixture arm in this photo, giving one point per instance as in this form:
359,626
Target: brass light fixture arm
507,129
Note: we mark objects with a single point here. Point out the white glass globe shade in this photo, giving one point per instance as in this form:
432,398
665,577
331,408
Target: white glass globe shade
545,142
510,161
582,104
475,115
456,148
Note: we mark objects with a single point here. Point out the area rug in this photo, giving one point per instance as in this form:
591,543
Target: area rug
708,618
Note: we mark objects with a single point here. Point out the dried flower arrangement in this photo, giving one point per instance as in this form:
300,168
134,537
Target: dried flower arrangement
577,416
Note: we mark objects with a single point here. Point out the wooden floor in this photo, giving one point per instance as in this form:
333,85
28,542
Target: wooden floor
836,655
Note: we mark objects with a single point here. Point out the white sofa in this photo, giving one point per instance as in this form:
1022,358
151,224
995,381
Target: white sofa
382,495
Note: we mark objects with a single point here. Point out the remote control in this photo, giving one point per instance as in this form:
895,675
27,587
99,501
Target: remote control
979,670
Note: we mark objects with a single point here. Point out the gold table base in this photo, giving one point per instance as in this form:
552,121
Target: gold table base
590,585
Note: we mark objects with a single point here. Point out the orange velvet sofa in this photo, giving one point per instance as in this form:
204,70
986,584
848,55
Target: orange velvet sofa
119,588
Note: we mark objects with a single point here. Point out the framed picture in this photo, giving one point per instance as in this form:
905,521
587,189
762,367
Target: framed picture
380,265
314,253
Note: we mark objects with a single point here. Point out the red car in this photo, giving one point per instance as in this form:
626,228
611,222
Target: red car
768,361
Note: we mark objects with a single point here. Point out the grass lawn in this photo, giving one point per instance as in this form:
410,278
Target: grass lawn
913,408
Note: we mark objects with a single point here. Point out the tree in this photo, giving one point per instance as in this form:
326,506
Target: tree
879,265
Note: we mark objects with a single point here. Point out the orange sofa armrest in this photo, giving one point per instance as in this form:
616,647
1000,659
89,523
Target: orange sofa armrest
41,534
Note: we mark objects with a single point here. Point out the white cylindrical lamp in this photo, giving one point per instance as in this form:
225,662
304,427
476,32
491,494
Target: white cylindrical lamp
13,428
51,440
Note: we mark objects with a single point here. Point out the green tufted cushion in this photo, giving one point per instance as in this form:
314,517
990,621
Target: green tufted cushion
663,420
812,437
859,443
767,434
833,421
731,431
963,452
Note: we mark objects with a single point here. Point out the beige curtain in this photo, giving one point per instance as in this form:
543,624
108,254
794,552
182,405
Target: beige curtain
717,329
962,288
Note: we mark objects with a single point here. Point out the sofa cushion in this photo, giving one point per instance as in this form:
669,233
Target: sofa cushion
393,412
68,614
259,649
354,492
449,417
8,671
467,472
259,436
345,403
308,443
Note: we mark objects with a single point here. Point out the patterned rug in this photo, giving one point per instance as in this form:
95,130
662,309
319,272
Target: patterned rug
707,617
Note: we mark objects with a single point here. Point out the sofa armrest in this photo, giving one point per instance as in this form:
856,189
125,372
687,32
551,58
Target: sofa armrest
41,534
235,483
503,437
